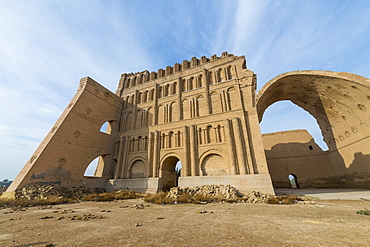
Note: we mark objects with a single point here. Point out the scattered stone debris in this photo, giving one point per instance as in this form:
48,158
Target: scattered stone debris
138,206
46,217
105,211
85,217
19,208
45,191
44,207
307,202
255,197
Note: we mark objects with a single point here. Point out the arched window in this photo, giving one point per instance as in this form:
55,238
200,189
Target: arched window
228,73
166,90
183,84
171,140
128,83
210,78
146,143
139,98
209,134
191,83
132,143
151,96
145,99
200,139
219,137
150,116
163,141
134,81
127,103
179,138
139,143
219,75
200,81
160,92
146,77
174,88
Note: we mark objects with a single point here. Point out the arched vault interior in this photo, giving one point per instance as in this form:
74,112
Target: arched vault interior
338,100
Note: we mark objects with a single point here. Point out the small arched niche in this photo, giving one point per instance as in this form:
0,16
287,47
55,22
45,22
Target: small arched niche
138,170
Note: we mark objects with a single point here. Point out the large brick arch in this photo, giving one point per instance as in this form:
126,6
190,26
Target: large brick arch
340,103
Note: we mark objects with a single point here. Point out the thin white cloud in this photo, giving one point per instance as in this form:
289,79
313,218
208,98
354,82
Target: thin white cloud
45,49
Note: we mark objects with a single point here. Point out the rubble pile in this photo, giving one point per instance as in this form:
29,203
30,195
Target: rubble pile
256,197
85,217
221,191
46,191
139,206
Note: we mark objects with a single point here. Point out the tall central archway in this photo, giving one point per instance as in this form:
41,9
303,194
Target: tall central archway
168,174
339,101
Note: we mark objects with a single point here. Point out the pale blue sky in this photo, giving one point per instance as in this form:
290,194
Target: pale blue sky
47,46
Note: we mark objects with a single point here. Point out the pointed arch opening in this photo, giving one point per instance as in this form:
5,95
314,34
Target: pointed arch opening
107,127
95,168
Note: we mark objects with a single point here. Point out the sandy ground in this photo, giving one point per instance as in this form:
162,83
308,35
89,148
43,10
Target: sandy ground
325,223
327,194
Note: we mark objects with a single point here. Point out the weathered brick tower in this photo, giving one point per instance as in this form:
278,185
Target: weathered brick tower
200,112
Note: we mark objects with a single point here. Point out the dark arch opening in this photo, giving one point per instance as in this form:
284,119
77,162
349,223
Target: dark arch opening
170,172
293,181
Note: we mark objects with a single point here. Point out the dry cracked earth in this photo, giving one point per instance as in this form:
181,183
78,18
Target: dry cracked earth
323,223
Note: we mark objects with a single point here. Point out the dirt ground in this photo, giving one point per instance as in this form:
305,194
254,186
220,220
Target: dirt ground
325,223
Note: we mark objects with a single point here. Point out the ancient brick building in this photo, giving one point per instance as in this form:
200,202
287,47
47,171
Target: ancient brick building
205,113
201,113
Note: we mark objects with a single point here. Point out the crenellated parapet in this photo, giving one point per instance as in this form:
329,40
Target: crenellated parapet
130,80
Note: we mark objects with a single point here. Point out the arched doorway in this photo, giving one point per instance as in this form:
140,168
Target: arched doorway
293,181
170,172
